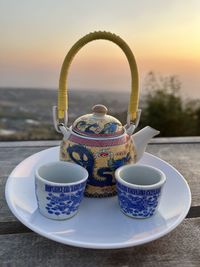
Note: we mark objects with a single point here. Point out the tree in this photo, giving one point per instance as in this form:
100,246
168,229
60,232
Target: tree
165,110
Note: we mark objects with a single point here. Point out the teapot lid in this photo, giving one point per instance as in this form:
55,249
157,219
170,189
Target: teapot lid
98,124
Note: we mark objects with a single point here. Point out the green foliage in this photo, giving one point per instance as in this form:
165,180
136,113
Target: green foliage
165,109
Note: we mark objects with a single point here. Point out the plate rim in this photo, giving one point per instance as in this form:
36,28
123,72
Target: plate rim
89,244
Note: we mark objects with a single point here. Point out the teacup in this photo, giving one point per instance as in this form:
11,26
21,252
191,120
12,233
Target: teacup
59,188
139,189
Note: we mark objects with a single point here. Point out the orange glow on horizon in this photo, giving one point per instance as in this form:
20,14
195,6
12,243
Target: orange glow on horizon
36,36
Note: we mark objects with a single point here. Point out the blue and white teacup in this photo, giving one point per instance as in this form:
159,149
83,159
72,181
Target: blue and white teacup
59,188
139,189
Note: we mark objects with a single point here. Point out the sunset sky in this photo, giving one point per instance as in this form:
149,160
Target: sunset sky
36,35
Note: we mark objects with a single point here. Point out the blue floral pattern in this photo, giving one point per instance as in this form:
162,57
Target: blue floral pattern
61,203
136,202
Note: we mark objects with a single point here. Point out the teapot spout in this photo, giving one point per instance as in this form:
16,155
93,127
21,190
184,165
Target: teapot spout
141,139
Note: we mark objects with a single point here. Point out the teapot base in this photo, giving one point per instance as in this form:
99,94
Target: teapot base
103,195
100,192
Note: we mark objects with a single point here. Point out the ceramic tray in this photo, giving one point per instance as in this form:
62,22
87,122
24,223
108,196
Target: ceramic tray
99,222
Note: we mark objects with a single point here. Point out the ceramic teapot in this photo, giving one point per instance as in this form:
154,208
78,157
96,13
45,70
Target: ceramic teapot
98,141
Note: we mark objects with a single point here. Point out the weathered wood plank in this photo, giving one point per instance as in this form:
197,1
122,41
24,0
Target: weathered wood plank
13,144
13,228
179,248
194,212
184,157
176,140
9,159
157,140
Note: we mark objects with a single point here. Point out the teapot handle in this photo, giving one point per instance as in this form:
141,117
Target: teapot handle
62,115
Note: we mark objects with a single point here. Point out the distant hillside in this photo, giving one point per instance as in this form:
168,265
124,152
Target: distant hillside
27,113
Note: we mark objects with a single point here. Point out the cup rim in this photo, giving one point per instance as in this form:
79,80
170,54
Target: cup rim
137,186
61,163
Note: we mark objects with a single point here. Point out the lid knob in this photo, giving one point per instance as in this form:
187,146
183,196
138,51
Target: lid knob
100,109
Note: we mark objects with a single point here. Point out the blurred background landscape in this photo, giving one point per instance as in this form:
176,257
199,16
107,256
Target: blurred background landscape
26,114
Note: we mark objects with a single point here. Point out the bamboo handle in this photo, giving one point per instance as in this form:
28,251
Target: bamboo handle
63,95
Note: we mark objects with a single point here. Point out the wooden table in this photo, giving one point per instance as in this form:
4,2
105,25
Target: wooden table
19,246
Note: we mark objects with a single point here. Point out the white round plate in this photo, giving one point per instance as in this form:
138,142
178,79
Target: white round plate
99,222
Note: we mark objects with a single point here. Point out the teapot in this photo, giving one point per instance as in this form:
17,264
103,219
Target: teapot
98,141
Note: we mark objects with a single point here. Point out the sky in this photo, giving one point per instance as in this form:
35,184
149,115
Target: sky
36,35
